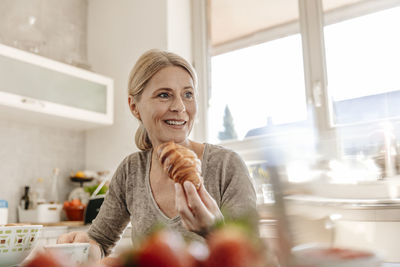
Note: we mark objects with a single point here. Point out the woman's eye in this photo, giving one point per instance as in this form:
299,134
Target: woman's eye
163,95
189,94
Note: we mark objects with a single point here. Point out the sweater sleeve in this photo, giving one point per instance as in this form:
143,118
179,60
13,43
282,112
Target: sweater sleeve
238,193
113,216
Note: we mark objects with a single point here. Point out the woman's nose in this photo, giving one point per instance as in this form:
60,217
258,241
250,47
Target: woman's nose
178,105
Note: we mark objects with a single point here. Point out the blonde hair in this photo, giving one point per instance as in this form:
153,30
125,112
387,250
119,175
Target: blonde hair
145,68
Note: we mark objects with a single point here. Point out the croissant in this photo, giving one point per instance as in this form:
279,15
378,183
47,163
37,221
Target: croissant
180,163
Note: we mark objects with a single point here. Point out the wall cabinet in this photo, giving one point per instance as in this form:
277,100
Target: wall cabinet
41,90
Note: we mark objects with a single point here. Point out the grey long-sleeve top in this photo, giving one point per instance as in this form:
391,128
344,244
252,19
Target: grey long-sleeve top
130,198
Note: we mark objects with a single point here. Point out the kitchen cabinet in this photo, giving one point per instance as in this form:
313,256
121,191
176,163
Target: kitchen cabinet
41,90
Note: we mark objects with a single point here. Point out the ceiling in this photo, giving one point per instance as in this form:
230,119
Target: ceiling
234,19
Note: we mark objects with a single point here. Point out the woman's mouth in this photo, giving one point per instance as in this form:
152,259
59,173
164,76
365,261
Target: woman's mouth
175,122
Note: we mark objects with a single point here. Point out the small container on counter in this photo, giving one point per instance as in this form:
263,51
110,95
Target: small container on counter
44,213
3,211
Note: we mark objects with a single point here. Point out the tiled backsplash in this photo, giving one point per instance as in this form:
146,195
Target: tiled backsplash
29,151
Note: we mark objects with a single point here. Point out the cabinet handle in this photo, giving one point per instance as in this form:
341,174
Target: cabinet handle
32,102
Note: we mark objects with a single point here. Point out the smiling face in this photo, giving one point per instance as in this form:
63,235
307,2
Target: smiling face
167,106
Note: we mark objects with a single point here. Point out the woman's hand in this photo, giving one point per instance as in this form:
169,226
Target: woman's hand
73,237
82,237
198,210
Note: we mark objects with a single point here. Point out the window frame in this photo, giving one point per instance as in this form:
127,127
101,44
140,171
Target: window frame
311,24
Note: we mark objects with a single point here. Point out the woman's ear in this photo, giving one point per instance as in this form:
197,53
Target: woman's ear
133,107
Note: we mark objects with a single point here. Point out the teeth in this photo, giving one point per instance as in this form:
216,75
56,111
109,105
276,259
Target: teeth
175,122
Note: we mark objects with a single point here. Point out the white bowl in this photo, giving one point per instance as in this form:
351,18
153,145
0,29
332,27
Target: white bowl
16,242
321,255
76,252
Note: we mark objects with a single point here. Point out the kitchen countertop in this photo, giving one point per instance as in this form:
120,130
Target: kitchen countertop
348,203
64,223
377,210
316,207
53,230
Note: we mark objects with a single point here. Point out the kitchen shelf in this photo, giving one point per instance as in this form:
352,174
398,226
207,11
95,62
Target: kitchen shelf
40,90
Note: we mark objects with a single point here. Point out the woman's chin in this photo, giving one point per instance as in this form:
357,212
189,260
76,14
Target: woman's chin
176,138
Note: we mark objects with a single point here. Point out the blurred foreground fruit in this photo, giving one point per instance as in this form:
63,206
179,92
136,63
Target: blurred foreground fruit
49,259
228,245
233,246
162,249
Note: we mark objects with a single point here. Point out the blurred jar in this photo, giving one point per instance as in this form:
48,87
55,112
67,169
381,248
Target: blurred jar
3,211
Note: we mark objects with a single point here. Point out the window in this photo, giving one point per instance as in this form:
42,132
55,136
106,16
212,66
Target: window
363,59
264,70
256,87
348,56
257,77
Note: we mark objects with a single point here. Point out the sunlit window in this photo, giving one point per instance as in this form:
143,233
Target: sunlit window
363,62
256,87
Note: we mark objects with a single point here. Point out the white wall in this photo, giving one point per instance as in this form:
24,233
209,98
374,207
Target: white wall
118,33
179,26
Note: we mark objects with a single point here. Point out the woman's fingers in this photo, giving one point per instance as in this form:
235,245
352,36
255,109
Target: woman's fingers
200,211
210,203
73,237
181,203
82,237
203,217
66,238
189,227
197,208
193,212
207,198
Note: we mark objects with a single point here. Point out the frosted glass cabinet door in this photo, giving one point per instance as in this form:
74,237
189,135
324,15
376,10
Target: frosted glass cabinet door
39,84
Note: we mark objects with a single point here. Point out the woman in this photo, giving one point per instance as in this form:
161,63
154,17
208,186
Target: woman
163,97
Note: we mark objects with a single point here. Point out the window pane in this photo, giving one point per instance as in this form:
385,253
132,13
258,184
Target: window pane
363,59
255,87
